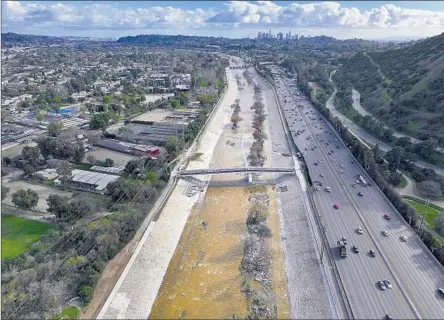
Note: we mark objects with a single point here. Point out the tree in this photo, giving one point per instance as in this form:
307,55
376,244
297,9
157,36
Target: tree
64,171
429,189
377,153
403,142
175,103
151,177
5,191
31,155
91,159
25,199
173,146
426,148
394,157
93,136
55,127
47,146
107,99
99,121
108,162
439,224
79,152
7,161
58,205
183,98
41,115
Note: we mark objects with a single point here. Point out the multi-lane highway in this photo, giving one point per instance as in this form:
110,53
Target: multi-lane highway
413,271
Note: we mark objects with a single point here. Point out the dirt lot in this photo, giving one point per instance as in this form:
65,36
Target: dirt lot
119,158
43,192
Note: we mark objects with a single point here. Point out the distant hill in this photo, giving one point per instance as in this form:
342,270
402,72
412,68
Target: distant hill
403,88
12,39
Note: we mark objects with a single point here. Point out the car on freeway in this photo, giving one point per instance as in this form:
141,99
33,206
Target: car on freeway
329,153
388,284
319,161
372,253
317,188
360,194
336,206
352,162
359,230
341,171
369,184
441,291
354,185
315,163
328,189
385,233
337,147
388,317
387,216
382,285
344,240
403,238
321,174
355,249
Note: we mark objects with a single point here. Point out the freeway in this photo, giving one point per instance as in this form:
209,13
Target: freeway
413,271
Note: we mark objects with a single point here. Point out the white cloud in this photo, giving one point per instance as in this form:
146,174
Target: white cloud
238,15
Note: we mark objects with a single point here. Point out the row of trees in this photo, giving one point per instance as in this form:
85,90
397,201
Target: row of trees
235,118
256,156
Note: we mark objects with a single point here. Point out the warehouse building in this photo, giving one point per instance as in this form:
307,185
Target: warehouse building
89,181
158,125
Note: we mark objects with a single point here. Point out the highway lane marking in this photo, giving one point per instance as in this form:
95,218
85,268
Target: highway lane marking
365,226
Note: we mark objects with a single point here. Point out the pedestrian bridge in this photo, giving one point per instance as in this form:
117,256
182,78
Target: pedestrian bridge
196,172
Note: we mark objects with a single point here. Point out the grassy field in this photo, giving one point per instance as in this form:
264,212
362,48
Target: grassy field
18,234
68,313
429,213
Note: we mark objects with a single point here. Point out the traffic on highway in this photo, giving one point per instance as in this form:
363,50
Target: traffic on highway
386,270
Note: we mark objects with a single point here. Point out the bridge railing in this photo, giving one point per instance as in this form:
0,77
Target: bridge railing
233,170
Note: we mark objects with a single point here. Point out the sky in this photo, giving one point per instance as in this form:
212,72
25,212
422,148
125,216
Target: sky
232,19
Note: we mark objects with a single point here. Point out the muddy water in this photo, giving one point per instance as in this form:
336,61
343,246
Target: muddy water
203,278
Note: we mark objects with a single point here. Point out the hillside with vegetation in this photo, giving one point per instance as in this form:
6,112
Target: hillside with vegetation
403,88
